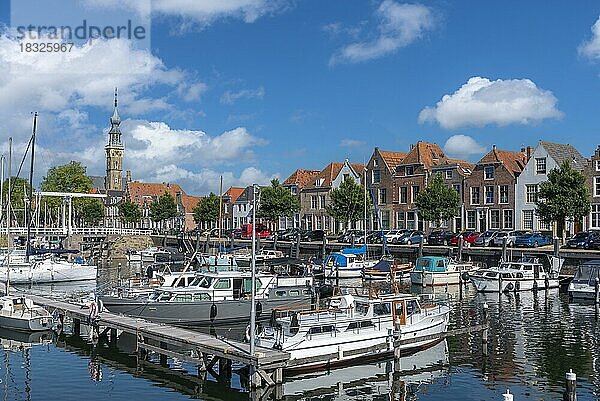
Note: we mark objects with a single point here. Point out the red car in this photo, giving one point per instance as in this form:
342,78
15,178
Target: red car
468,237
261,231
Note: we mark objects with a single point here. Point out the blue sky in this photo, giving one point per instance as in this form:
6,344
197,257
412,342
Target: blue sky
254,88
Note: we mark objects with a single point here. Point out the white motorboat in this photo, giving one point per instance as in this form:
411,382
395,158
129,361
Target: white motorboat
355,328
20,313
583,285
348,263
49,270
436,270
244,259
526,274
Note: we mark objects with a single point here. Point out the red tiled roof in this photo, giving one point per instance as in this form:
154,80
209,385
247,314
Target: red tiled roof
140,190
302,178
234,193
462,163
329,173
190,202
513,161
429,154
392,159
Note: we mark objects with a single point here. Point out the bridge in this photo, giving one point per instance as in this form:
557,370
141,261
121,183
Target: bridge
62,231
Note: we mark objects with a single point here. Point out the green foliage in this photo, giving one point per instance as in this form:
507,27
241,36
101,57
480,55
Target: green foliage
164,208
438,202
347,202
91,211
20,190
69,177
564,195
129,212
207,209
277,201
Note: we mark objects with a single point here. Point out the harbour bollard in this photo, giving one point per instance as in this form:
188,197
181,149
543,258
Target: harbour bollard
485,312
504,248
556,244
597,288
571,386
119,273
353,240
507,396
324,247
421,246
298,245
460,247
275,241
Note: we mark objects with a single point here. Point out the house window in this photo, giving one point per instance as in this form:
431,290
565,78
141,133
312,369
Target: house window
294,190
543,226
448,174
596,215
495,219
456,188
400,221
319,223
385,219
489,194
540,165
471,219
508,219
528,219
531,193
346,176
323,204
596,186
403,195
326,223
309,221
314,202
375,163
409,170
410,220
475,196
415,192
597,165
376,177
488,172
383,196
503,193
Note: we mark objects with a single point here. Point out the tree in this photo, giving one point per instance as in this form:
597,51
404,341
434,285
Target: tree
20,191
277,201
207,209
347,202
164,208
69,177
129,212
563,196
91,211
437,202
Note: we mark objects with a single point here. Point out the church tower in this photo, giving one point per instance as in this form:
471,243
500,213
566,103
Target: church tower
114,153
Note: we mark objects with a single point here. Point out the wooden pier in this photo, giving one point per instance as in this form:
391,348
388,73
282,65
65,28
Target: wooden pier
266,365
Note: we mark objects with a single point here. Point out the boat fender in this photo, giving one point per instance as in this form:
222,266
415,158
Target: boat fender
92,311
213,312
465,276
517,285
510,287
258,309
247,334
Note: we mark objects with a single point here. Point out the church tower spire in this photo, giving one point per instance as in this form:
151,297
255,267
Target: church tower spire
114,152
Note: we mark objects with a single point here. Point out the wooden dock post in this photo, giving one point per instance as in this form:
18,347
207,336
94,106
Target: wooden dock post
76,326
421,246
570,386
597,289
460,248
113,336
163,357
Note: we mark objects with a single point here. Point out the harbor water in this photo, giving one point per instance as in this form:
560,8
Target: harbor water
532,341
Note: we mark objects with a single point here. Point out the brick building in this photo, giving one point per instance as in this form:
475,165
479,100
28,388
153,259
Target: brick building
296,183
455,173
592,174
489,192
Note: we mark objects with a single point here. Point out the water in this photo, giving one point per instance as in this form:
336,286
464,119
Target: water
533,339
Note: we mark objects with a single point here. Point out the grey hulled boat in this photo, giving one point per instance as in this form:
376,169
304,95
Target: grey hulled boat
20,313
216,298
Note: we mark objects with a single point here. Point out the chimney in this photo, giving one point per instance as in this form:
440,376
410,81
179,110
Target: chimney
412,146
494,147
128,176
529,152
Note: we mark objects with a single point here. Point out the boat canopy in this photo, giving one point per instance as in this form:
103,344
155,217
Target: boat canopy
431,264
43,251
355,251
337,260
383,266
588,273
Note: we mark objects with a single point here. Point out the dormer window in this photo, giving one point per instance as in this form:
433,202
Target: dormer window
597,165
448,174
540,165
375,163
488,172
409,170
319,182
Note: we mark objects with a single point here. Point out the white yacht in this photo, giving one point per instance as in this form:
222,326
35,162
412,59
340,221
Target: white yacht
355,327
526,274
436,270
348,263
48,270
583,285
244,259
19,313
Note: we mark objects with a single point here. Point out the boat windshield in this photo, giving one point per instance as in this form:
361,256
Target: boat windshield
362,308
586,274
202,282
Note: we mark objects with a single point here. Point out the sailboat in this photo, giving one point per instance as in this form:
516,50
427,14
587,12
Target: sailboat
19,312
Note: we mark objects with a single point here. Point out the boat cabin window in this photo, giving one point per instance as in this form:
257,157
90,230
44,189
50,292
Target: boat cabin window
222,284
519,275
586,275
527,267
423,262
359,325
165,296
382,309
306,292
412,307
321,329
440,263
506,275
183,298
201,297
280,293
247,286
294,293
491,274
203,282
362,308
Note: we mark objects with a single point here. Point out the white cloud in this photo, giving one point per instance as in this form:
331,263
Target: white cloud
351,143
463,146
231,97
591,48
207,180
399,25
192,92
480,102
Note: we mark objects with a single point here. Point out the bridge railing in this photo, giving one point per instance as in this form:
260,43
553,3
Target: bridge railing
80,230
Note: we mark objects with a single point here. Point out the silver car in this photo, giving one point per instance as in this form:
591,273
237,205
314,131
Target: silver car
485,239
511,236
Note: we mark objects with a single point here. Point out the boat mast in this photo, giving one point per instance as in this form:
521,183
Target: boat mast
220,211
365,209
8,212
30,196
253,296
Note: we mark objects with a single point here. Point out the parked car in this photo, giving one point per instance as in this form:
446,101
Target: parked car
261,231
277,234
485,239
393,236
291,233
533,239
583,239
440,237
595,243
511,236
313,235
376,236
347,236
412,237
213,232
469,236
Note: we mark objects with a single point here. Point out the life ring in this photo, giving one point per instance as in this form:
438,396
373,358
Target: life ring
510,287
213,312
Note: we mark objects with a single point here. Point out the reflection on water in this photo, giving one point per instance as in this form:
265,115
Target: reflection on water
532,340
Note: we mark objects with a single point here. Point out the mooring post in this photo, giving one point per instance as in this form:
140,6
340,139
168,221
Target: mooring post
298,244
163,357
507,396
460,247
207,245
485,312
197,240
421,245
119,273
397,360
275,241
352,240
323,247
504,247
556,243
597,288
570,386
113,336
